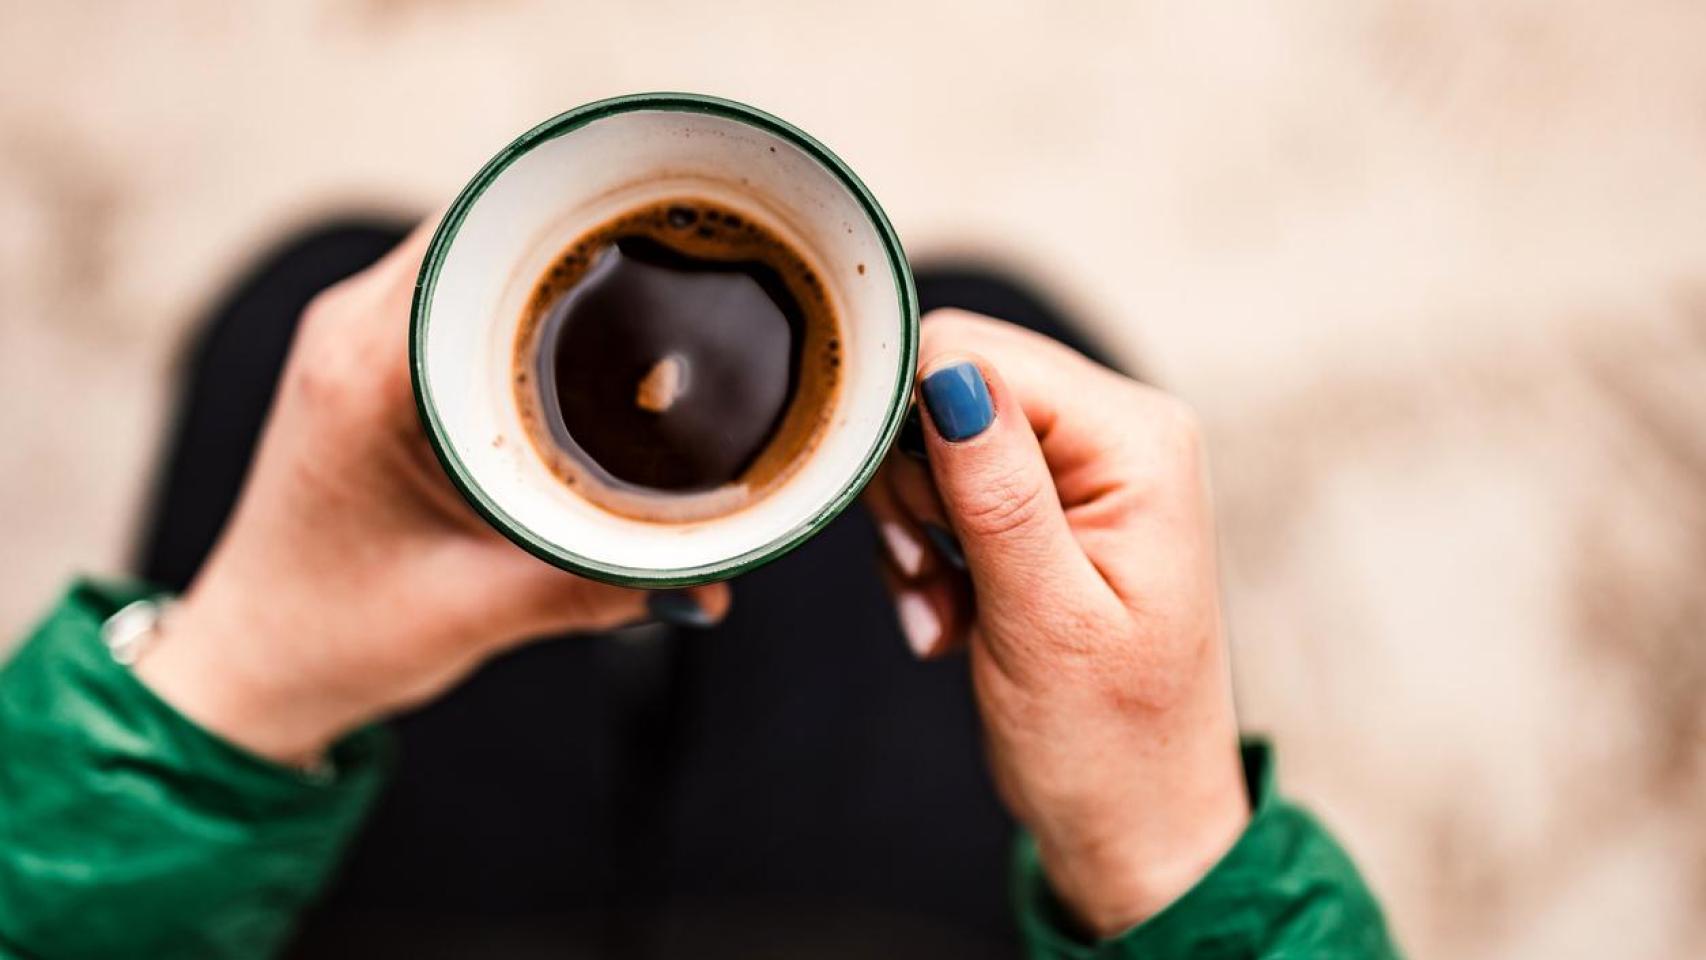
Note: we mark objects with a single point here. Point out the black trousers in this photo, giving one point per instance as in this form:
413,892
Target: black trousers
788,784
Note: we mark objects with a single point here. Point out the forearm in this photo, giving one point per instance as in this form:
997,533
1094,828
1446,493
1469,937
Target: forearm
126,830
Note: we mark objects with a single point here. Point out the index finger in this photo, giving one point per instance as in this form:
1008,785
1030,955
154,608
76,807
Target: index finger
1082,412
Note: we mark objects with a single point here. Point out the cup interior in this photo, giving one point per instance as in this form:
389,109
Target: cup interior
568,176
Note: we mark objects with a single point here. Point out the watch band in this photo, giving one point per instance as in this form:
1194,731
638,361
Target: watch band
129,633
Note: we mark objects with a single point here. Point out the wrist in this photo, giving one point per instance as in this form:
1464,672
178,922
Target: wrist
1149,829
220,664
1115,877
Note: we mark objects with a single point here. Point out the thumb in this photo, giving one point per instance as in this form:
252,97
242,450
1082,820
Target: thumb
996,489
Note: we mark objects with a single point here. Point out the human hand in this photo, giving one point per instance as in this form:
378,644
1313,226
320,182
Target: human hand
353,580
1088,603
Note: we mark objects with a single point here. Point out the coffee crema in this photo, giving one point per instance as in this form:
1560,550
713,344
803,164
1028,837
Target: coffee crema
678,362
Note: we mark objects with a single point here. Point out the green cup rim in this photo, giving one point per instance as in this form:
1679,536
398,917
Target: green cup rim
420,316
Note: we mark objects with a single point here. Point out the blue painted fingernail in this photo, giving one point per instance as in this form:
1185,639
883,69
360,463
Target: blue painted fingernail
911,439
947,545
678,609
958,401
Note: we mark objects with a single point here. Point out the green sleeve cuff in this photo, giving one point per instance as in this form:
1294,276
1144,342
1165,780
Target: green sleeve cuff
1284,889
127,830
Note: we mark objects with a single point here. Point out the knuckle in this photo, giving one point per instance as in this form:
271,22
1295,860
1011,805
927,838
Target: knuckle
323,310
953,318
1168,448
1179,427
322,369
341,356
1005,502
1184,444
948,329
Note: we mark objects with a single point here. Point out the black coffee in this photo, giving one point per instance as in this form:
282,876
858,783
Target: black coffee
677,362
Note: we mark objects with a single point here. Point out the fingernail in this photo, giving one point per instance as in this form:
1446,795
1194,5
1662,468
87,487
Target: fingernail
958,401
906,550
919,622
911,439
946,544
678,609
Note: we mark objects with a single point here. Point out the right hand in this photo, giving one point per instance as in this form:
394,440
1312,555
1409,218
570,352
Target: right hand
1088,603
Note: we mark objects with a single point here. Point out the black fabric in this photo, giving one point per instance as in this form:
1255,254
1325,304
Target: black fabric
790,783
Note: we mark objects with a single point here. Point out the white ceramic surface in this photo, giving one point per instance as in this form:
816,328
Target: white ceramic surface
569,176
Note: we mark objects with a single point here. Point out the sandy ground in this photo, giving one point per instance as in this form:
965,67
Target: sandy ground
1434,273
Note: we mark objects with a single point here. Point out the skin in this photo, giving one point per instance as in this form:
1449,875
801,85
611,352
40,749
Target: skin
353,582
1089,610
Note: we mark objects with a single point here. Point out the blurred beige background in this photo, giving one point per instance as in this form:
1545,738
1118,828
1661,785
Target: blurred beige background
1434,273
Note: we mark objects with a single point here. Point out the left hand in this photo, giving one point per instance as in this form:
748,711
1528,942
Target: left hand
352,580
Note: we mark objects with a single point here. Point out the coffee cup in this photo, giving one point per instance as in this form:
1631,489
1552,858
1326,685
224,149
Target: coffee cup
770,375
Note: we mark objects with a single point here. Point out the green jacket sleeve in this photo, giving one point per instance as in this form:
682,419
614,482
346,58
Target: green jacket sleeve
126,830
1285,889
